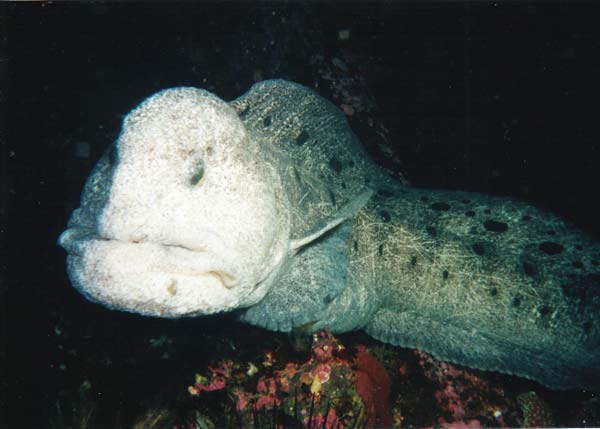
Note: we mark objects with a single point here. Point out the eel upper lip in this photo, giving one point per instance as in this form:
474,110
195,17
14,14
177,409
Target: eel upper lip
75,235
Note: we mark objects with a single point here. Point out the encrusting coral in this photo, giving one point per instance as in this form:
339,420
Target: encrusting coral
358,386
333,389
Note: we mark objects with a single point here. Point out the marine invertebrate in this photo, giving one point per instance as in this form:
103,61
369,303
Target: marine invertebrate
536,411
465,397
332,389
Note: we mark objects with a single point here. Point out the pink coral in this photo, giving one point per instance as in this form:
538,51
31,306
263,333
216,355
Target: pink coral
471,424
330,384
318,421
243,399
536,412
462,394
268,388
218,380
270,399
322,371
290,370
216,383
324,346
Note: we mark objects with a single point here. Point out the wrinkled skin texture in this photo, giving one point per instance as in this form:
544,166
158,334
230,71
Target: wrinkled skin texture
268,206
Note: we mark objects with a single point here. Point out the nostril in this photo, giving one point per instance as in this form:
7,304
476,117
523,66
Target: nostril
198,175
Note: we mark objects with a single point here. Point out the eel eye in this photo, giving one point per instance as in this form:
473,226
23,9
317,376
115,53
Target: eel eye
197,177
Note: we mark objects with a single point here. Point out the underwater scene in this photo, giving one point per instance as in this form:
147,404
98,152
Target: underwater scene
293,214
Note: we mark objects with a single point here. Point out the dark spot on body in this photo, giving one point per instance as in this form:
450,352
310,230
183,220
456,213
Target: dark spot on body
577,264
478,248
380,249
343,185
331,196
335,165
385,216
487,211
578,247
470,213
516,301
529,269
413,261
355,245
351,163
494,291
440,206
574,290
551,232
431,231
302,138
551,248
445,274
544,311
327,299
473,230
385,193
582,287
587,327
267,121
526,218
495,226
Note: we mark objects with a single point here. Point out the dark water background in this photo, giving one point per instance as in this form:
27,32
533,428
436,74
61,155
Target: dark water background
491,97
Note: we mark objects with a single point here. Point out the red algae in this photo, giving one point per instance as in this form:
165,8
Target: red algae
373,385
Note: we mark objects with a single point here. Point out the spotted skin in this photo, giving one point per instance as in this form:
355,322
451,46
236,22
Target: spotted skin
269,208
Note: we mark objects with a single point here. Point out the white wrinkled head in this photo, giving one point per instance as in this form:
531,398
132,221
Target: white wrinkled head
185,219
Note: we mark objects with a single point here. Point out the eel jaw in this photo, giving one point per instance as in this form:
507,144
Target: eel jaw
154,279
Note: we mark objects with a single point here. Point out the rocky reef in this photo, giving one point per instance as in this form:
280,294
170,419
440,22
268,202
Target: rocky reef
359,386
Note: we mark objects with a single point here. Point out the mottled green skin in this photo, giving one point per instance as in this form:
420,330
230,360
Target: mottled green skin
481,281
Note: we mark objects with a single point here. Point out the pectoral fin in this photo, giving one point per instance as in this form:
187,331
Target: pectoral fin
346,212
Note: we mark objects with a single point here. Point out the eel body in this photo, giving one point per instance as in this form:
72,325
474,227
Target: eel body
269,208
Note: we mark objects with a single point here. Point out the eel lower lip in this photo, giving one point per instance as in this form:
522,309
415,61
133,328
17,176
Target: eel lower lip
173,257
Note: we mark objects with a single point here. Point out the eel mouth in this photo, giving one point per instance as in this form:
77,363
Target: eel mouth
139,254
